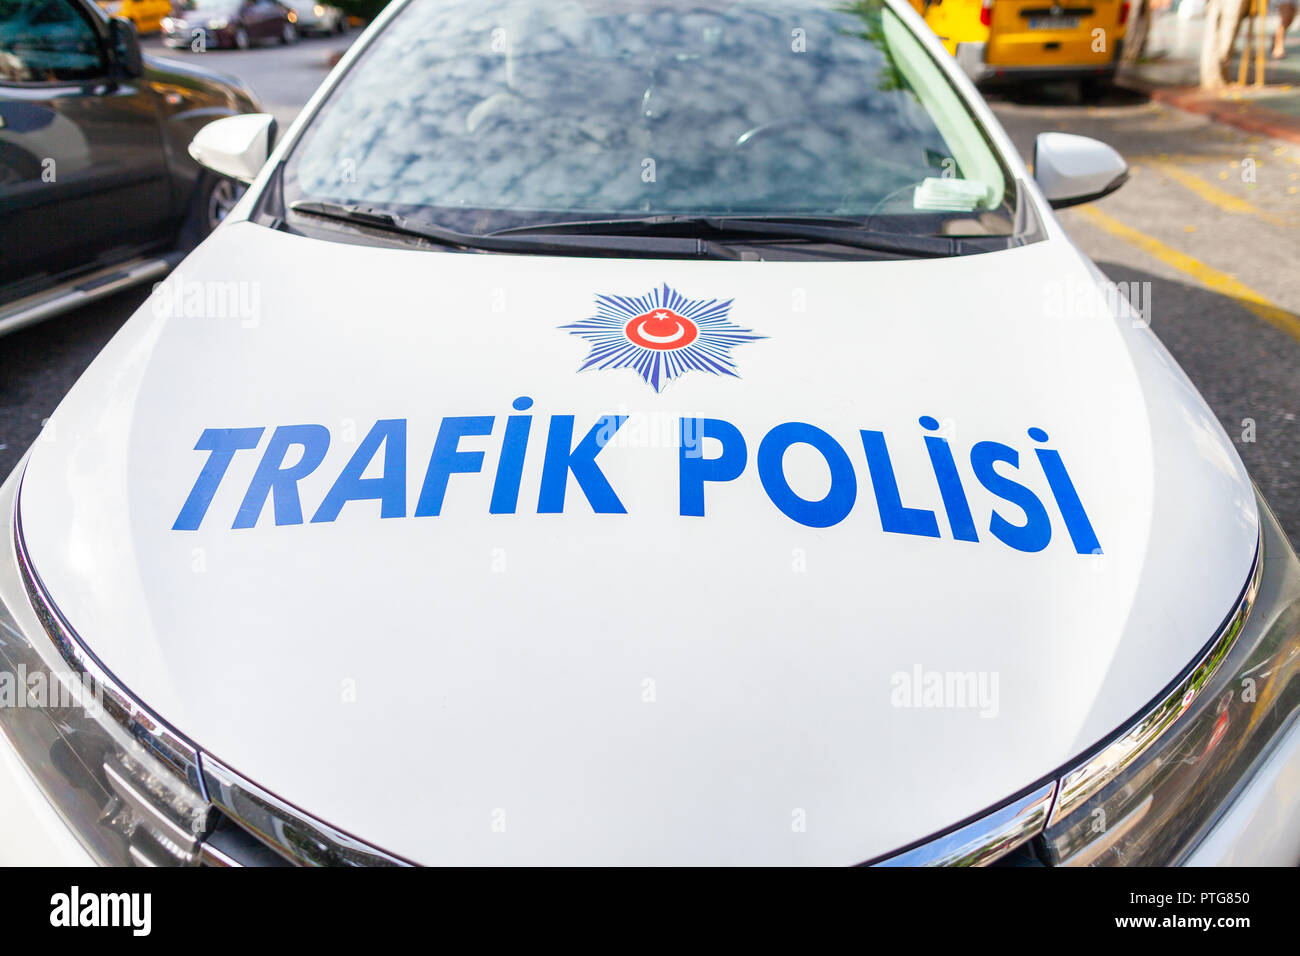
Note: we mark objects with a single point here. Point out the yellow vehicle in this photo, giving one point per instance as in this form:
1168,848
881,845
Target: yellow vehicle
147,15
1031,39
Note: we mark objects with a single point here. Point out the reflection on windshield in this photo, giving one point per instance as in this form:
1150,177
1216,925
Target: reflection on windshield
581,108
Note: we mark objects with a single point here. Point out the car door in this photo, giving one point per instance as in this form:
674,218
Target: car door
1049,33
250,19
83,176
251,16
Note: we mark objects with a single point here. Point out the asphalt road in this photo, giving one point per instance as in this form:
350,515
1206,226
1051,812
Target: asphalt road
1211,219
283,77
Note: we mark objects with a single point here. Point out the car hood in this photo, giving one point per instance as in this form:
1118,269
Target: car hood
166,73
493,684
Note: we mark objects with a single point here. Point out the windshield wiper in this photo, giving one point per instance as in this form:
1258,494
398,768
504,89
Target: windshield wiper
831,230
609,244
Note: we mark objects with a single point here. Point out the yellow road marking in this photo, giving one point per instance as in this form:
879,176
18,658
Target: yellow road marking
1216,196
1208,276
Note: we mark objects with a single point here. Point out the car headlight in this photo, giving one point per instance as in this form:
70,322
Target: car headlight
127,785
318,10
218,23
1148,796
168,24
1151,794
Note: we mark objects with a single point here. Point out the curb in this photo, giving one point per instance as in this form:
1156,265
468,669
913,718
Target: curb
1243,116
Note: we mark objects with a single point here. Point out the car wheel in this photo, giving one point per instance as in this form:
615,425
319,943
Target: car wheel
288,34
241,39
214,197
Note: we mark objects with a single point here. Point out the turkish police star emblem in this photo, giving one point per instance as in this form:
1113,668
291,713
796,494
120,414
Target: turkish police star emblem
662,335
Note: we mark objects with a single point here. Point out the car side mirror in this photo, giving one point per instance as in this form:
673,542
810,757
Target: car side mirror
1075,169
125,44
236,146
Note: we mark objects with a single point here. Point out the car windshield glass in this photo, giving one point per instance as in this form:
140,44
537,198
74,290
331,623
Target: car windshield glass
491,114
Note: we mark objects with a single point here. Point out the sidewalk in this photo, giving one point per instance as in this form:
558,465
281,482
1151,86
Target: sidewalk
1170,73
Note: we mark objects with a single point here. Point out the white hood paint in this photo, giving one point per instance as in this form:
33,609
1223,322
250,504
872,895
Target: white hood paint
638,688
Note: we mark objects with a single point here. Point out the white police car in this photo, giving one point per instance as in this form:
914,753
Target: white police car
644,433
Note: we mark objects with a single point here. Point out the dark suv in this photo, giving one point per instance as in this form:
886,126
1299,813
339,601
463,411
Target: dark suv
97,189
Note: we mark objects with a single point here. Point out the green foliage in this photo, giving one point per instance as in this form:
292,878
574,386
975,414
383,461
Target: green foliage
869,12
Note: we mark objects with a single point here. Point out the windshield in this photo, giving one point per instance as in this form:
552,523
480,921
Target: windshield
493,113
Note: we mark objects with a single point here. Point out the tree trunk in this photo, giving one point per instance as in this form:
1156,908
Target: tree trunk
1222,20
1139,25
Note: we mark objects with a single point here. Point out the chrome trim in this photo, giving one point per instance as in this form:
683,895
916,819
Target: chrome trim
209,855
180,843
285,829
1088,777
82,290
983,841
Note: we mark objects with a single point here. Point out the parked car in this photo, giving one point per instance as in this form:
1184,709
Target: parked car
94,170
236,24
147,15
618,437
318,18
1029,41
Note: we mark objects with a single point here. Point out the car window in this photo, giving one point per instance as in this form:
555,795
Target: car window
499,110
43,41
